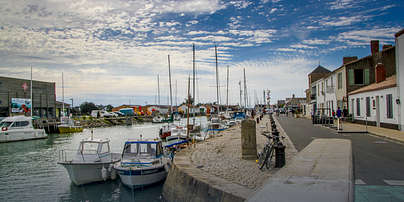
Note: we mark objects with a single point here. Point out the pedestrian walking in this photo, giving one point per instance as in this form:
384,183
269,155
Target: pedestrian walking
339,114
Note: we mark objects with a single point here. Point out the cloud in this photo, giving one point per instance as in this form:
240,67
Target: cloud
363,37
343,21
316,42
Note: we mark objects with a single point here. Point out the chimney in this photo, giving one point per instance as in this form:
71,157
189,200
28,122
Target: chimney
349,59
380,73
374,46
386,46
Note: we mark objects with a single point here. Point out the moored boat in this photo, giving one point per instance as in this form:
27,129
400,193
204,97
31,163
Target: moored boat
68,126
92,162
143,163
19,128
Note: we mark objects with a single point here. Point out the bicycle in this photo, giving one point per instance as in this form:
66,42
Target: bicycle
265,157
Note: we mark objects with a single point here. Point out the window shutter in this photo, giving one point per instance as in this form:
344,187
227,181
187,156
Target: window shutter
351,77
366,75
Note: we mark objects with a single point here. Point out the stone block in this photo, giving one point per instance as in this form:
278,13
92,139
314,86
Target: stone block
248,140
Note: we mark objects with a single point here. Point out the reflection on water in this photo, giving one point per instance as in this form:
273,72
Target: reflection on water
29,169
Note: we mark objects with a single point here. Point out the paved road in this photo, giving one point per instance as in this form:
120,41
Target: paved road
378,163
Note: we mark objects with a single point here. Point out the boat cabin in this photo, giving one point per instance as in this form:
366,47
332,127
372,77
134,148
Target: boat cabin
93,149
16,122
142,149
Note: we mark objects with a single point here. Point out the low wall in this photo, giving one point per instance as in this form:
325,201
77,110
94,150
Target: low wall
185,182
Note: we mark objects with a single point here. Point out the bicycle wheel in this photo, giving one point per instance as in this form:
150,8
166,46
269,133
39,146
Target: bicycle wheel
262,157
270,155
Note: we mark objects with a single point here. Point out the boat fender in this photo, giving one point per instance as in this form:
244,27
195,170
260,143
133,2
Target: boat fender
104,173
112,171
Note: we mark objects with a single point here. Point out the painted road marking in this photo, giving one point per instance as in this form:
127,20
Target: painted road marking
380,142
394,182
359,182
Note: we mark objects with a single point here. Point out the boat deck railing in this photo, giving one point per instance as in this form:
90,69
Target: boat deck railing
73,155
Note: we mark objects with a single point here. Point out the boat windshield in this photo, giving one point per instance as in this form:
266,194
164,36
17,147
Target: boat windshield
5,123
141,149
89,148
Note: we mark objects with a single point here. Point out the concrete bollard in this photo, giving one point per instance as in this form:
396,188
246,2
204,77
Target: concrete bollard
248,140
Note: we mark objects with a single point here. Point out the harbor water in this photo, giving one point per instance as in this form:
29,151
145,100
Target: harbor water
29,169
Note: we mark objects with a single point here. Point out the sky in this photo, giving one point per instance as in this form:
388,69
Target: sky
112,51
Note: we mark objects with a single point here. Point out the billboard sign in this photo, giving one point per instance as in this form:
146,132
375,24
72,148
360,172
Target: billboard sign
19,105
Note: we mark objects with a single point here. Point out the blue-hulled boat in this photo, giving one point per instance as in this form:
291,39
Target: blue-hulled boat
143,163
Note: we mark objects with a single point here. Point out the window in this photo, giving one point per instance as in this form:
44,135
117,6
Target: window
358,107
389,105
366,76
353,107
20,124
350,77
368,106
339,80
104,148
358,76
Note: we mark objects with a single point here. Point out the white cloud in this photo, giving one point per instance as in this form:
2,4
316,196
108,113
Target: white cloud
240,4
316,42
363,37
343,21
286,49
302,46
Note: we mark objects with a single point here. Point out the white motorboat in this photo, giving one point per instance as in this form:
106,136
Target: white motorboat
92,162
157,119
143,163
19,128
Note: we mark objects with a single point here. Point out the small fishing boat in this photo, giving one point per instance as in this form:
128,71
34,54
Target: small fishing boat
157,119
143,163
68,126
19,128
92,162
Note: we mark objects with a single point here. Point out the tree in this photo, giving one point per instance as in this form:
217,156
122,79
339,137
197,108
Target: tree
109,107
87,107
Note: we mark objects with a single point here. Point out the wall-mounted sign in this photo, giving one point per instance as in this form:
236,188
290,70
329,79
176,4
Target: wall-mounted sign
19,105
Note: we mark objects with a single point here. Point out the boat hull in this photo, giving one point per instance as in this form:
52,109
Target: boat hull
22,135
144,177
82,173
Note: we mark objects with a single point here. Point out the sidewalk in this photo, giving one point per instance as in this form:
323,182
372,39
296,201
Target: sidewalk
382,132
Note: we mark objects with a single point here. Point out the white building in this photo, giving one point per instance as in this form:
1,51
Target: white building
330,98
376,104
400,75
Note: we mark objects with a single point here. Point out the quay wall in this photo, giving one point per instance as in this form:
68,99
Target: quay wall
185,182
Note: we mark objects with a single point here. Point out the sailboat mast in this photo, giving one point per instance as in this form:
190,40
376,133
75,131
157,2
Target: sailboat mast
193,80
32,101
176,93
63,97
158,89
189,103
169,76
227,90
217,80
245,91
241,105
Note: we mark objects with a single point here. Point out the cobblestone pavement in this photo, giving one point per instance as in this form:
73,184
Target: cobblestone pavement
221,156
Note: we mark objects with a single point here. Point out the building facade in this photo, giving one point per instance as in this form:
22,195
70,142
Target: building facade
43,96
